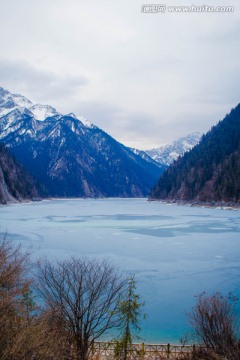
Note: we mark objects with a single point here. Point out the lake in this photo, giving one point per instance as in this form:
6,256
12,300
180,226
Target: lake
176,252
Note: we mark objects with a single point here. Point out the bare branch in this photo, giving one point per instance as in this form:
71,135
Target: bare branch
84,295
214,323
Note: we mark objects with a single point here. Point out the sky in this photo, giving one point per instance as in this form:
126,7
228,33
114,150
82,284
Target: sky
145,78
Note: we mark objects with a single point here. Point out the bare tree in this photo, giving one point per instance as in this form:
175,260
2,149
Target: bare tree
13,268
24,332
83,296
215,325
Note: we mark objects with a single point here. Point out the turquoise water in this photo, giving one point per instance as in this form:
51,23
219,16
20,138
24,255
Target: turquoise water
175,251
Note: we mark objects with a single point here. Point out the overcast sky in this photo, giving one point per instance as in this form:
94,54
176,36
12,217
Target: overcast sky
145,78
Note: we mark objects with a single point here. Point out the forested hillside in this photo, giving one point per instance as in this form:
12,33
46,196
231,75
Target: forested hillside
210,171
15,183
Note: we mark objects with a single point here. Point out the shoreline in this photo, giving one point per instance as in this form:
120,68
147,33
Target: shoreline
39,200
196,203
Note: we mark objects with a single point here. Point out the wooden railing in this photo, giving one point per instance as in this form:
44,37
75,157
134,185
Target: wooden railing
105,350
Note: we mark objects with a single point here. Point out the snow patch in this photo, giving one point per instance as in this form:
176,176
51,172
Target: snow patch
169,153
42,112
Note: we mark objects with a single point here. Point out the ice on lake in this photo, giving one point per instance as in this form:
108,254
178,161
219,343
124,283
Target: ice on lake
175,251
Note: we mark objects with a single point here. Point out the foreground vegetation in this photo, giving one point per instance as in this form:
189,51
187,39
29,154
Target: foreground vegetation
83,299
215,326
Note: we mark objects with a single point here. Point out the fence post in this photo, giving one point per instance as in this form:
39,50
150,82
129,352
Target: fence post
143,351
194,349
168,351
93,349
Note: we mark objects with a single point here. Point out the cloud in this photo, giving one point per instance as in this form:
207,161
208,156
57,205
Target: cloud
144,78
98,112
43,85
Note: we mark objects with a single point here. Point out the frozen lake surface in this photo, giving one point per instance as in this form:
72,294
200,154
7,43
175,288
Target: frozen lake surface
175,251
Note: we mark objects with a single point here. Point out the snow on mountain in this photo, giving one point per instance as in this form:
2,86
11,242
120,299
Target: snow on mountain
41,112
83,120
166,155
146,157
10,102
86,122
70,156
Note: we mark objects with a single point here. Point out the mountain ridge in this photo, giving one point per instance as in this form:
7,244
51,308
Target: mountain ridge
210,172
167,154
70,158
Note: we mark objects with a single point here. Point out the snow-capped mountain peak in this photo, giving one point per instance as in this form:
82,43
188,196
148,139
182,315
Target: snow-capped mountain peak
167,154
41,112
10,102
70,156
21,101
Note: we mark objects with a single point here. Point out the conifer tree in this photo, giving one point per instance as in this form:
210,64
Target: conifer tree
130,314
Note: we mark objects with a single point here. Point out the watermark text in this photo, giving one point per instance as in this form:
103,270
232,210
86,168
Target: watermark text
162,8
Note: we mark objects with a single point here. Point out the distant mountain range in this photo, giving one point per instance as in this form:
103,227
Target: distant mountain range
166,155
15,183
210,172
70,158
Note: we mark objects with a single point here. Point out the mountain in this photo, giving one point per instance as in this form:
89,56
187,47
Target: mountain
166,155
70,158
10,102
210,172
15,183
148,158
